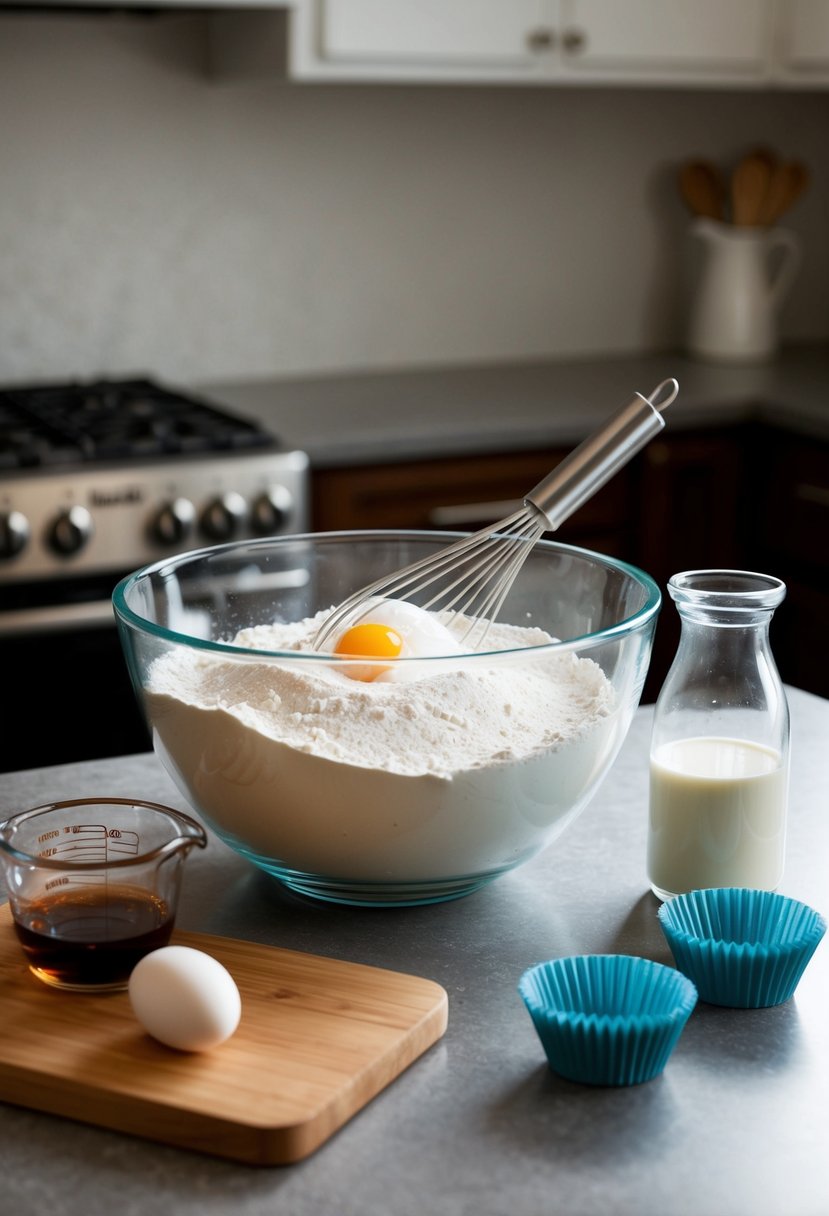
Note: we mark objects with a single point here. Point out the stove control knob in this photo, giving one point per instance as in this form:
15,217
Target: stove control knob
272,510
71,530
224,516
14,533
173,522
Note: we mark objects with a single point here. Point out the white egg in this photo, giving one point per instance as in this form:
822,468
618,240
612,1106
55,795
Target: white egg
185,998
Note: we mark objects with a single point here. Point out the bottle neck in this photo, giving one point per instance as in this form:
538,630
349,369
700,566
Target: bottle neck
725,629
724,680
725,617
726,599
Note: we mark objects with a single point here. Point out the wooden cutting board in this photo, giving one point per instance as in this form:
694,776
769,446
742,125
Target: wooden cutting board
317,1040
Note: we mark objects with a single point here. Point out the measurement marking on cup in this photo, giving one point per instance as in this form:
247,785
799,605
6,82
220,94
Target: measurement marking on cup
91,842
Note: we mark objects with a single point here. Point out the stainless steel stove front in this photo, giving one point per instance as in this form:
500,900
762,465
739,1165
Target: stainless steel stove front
66,538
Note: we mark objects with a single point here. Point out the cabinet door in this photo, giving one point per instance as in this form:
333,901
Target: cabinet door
690,518
790,540
428,40
666,39
430,31
804,41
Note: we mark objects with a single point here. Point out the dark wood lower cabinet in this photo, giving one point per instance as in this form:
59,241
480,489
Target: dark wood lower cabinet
789,537
690,517
746,497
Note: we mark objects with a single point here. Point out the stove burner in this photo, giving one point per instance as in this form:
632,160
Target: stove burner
113,420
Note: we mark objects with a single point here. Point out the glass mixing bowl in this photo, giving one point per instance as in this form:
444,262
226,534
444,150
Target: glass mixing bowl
390,791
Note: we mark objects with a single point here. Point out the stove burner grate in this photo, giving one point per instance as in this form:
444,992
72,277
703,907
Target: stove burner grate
114,420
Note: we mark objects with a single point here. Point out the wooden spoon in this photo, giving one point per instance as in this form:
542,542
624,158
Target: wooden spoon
749,186
788,181
703,189
767,155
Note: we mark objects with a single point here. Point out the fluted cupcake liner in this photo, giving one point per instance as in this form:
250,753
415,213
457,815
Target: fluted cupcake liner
607,1019
741,947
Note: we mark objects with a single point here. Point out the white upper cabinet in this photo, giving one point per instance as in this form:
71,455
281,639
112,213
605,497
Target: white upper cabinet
422,39
727,43
665,40
476,33
803,42
549,41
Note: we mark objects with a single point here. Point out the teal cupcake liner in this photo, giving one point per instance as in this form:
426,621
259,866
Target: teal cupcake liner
741,947
607,1019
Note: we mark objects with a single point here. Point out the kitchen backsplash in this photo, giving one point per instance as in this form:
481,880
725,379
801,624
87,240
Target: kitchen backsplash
153,218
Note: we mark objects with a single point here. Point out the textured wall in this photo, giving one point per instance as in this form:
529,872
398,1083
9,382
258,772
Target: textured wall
154,219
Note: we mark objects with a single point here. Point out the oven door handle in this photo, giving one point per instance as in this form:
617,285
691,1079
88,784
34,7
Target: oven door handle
57,618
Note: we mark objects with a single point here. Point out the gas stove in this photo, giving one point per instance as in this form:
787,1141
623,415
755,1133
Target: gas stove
96,480
106,476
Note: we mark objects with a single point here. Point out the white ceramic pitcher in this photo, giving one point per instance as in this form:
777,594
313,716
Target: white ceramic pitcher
742,285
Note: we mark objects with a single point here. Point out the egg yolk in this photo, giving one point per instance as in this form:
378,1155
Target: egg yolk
369,640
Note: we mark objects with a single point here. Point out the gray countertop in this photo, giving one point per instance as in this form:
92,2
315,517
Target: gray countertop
364,418
735,1126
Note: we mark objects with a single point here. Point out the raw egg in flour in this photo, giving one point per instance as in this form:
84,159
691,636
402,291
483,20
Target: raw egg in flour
393,629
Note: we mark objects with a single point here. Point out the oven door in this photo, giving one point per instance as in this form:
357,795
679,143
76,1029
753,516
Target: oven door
66,688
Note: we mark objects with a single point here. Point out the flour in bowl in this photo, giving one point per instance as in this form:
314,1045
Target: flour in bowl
463,770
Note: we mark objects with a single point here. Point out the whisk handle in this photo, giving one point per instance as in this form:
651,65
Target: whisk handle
601,455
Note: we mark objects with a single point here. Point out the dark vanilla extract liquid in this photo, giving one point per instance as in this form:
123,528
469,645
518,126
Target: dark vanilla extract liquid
92,936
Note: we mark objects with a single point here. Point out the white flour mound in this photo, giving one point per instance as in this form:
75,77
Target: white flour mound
461,771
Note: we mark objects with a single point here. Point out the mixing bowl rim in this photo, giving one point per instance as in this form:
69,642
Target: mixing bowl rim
126,616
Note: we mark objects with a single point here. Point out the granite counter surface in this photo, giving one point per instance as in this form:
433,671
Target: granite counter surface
379,416
736,1125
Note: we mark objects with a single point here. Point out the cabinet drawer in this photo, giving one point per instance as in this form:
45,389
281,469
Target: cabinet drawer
456,495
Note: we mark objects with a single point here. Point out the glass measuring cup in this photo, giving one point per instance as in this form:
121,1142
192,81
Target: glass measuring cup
93,885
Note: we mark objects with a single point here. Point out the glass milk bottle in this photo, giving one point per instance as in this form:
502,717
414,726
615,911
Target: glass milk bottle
720,745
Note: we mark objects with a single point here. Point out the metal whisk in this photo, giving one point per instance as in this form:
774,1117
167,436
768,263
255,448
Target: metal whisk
472,576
